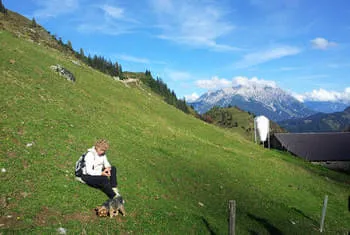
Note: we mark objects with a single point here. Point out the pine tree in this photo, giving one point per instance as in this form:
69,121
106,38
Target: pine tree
69,45
34,24
2,8
116,69
121,75
81,54
89,60
60,41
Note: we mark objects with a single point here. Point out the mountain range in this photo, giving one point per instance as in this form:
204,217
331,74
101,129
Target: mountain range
261,99
270,101
327,106
320,122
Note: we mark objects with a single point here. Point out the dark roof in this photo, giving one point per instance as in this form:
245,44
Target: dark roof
317,146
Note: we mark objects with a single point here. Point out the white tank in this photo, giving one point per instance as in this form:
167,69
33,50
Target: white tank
262,127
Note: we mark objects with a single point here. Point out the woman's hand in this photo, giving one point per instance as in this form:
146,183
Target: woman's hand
107,172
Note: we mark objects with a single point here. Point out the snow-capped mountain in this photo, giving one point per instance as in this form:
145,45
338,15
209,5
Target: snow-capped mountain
259,99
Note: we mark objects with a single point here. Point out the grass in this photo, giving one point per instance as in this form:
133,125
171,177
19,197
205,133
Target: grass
175,172
238,120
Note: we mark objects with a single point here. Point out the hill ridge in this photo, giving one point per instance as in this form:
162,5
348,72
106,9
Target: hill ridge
320,122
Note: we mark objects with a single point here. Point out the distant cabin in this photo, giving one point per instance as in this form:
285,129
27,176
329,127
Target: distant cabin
329,149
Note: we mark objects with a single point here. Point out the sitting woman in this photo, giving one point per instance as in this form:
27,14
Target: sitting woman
98,172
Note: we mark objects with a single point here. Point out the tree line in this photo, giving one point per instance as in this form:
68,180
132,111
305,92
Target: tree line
97,62
2,8
102,64
160,87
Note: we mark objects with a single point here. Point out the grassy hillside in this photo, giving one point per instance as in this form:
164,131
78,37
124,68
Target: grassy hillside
236,120
176,172
26,29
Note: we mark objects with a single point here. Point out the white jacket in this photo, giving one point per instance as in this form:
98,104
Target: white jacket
95,163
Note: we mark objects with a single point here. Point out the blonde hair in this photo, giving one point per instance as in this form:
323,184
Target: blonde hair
102,144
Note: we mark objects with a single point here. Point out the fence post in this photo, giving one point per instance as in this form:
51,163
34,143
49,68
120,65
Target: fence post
232,221
323,212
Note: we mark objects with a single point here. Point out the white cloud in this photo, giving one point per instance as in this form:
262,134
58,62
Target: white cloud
133,59
322,43
193,23
163,5
107,19
254,81
192,97
214,83
299,97
267,55
117,14
103,27
114,12
324,95
218,83
139,60
54,8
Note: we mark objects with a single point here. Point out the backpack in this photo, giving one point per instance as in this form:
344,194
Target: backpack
79,165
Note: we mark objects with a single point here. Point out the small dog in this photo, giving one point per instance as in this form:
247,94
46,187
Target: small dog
111,207
115,205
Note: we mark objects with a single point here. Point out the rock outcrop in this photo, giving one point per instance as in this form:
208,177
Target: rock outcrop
63,72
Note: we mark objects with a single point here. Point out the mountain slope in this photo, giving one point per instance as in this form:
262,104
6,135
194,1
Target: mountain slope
236,120
326,106
23,28
271,102
175,172
321,122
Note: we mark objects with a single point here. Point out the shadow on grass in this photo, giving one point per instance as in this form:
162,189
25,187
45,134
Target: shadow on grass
338,176
330,174
269,227
304,215
253,232
207,225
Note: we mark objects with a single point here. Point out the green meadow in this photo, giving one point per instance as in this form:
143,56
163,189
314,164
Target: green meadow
175,172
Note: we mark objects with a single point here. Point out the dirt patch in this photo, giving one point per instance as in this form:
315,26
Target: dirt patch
82,217
12,220
15,141
20,131
43,152
47,216
25,164
11,154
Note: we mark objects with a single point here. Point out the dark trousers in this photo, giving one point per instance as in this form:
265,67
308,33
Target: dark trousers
103,182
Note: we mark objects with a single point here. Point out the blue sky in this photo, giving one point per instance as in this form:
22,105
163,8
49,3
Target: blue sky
302,46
